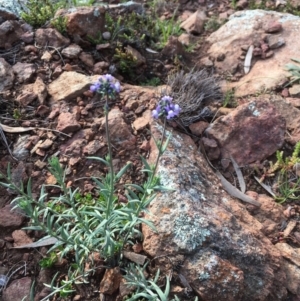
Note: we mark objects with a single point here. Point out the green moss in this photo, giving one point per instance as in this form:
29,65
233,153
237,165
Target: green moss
40,11
154,82
60,23
125,61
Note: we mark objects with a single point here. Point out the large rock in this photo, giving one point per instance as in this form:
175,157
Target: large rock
290,114
50,37
250,133
10,218
10,7
67,123
84,21
77,84
291,265
119,130
226,256
24,72
18,289
10,32
249,27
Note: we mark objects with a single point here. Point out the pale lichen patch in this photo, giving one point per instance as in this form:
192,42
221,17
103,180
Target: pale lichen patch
190,231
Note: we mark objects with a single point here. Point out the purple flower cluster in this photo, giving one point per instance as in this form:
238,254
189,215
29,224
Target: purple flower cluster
166,108
106,85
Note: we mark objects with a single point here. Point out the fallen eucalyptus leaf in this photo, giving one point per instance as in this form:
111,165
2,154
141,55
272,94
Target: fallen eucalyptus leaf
266,187
233,191
40,243
18,129
239,175
248,58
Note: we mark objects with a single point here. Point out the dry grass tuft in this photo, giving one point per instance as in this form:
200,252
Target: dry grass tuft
194,91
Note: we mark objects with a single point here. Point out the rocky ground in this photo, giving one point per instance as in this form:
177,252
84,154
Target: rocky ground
222,235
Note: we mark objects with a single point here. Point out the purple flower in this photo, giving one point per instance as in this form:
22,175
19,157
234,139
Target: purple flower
117,87
167,99
166,108
109,77
106,85
155,114
95,87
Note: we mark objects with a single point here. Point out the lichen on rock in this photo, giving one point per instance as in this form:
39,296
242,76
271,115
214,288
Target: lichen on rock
190,231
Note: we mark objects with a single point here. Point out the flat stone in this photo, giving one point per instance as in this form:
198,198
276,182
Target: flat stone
9,218
20,238
46,144
92,147
294,91
206,62
24,72
72,51
195,23
10,32
17,290
87,59
50,37
291,265
20,150
273,27
77,84
240,134
120,132
275,41
142,122
27,95
40,164
67,123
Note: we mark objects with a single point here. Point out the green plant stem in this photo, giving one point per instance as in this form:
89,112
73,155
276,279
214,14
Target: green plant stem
145,195
159,151
111,168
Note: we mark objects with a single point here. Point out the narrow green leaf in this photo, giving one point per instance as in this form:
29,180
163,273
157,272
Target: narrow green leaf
137,187
163,188
146,164
122,171
159,291
164,147
167,290
99,159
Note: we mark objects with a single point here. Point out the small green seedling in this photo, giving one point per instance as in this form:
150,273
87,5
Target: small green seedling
49,261
229,99
294,71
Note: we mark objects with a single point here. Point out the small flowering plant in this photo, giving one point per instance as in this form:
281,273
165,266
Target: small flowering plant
106,225
106,85
166,108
